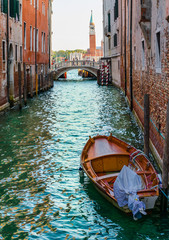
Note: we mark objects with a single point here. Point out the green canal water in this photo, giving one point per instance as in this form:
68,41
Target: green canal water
41,194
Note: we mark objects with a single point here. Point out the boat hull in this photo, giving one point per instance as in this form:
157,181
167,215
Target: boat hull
102,154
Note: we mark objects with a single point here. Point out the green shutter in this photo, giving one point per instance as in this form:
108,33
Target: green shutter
17,9
13,8
4,6
109,23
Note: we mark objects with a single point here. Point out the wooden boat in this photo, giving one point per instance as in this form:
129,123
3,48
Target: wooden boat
102,159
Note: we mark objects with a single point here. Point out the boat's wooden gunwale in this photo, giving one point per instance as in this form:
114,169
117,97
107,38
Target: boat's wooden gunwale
104,188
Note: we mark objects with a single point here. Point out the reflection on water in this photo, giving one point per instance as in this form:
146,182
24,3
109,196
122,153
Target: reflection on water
42,196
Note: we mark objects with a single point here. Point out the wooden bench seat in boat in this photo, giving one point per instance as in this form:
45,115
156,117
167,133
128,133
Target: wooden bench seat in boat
109,163
107,176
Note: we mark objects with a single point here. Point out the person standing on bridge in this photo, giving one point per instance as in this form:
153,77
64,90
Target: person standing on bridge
93,62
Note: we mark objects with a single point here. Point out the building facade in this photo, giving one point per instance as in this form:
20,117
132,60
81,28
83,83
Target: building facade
10,51
36,33
144,50
112,37
25,42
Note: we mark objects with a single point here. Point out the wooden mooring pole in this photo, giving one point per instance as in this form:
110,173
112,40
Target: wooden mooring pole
164,200
98,77
20,85
25,85
146,124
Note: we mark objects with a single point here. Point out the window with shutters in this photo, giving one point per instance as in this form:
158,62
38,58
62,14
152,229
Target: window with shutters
30,38
16,53
24,35
115,40
116,10
143,55
17,15
158,53
37,40
20,13
21,53
44,43
34,39
4,6
109,23
13,9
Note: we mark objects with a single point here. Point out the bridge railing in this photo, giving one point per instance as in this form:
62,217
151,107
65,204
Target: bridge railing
75,63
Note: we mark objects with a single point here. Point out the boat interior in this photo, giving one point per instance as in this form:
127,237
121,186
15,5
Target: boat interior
105,169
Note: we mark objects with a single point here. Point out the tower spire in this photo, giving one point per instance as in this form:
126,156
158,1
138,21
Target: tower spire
91,18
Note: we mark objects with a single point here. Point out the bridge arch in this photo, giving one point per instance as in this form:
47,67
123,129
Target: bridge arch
63,67
70,69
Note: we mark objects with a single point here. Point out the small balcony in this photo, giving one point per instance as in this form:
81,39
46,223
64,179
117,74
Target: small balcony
107,31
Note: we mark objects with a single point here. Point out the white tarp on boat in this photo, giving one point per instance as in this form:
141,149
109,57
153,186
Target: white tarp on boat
125,190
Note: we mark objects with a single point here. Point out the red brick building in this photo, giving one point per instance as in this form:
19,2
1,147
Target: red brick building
36,41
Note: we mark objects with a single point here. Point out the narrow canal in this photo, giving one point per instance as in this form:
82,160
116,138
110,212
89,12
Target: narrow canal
41,193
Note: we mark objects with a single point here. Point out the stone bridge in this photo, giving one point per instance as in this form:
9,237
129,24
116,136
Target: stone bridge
66,66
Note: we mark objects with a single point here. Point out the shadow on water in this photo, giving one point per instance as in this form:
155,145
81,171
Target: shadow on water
122,226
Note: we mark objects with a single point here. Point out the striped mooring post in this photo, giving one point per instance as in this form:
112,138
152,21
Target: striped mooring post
102,73
107,74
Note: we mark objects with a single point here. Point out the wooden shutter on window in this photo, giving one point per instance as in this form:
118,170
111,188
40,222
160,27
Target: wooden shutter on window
13,8
4,6
17,9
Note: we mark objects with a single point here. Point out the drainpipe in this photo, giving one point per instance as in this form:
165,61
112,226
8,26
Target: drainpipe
36,70
121,38
103,29
49,26
121,28
131,63
125,53
7,43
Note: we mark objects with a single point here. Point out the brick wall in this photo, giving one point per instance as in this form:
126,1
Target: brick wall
147,78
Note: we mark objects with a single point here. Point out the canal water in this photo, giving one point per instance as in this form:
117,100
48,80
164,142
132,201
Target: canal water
41,193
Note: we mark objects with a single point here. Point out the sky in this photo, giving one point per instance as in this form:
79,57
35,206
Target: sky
70,23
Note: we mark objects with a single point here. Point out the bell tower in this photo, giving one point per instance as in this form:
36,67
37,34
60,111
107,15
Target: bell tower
92,36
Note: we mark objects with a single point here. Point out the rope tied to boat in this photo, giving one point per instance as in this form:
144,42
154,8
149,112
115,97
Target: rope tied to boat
160,190
163,192
138,153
